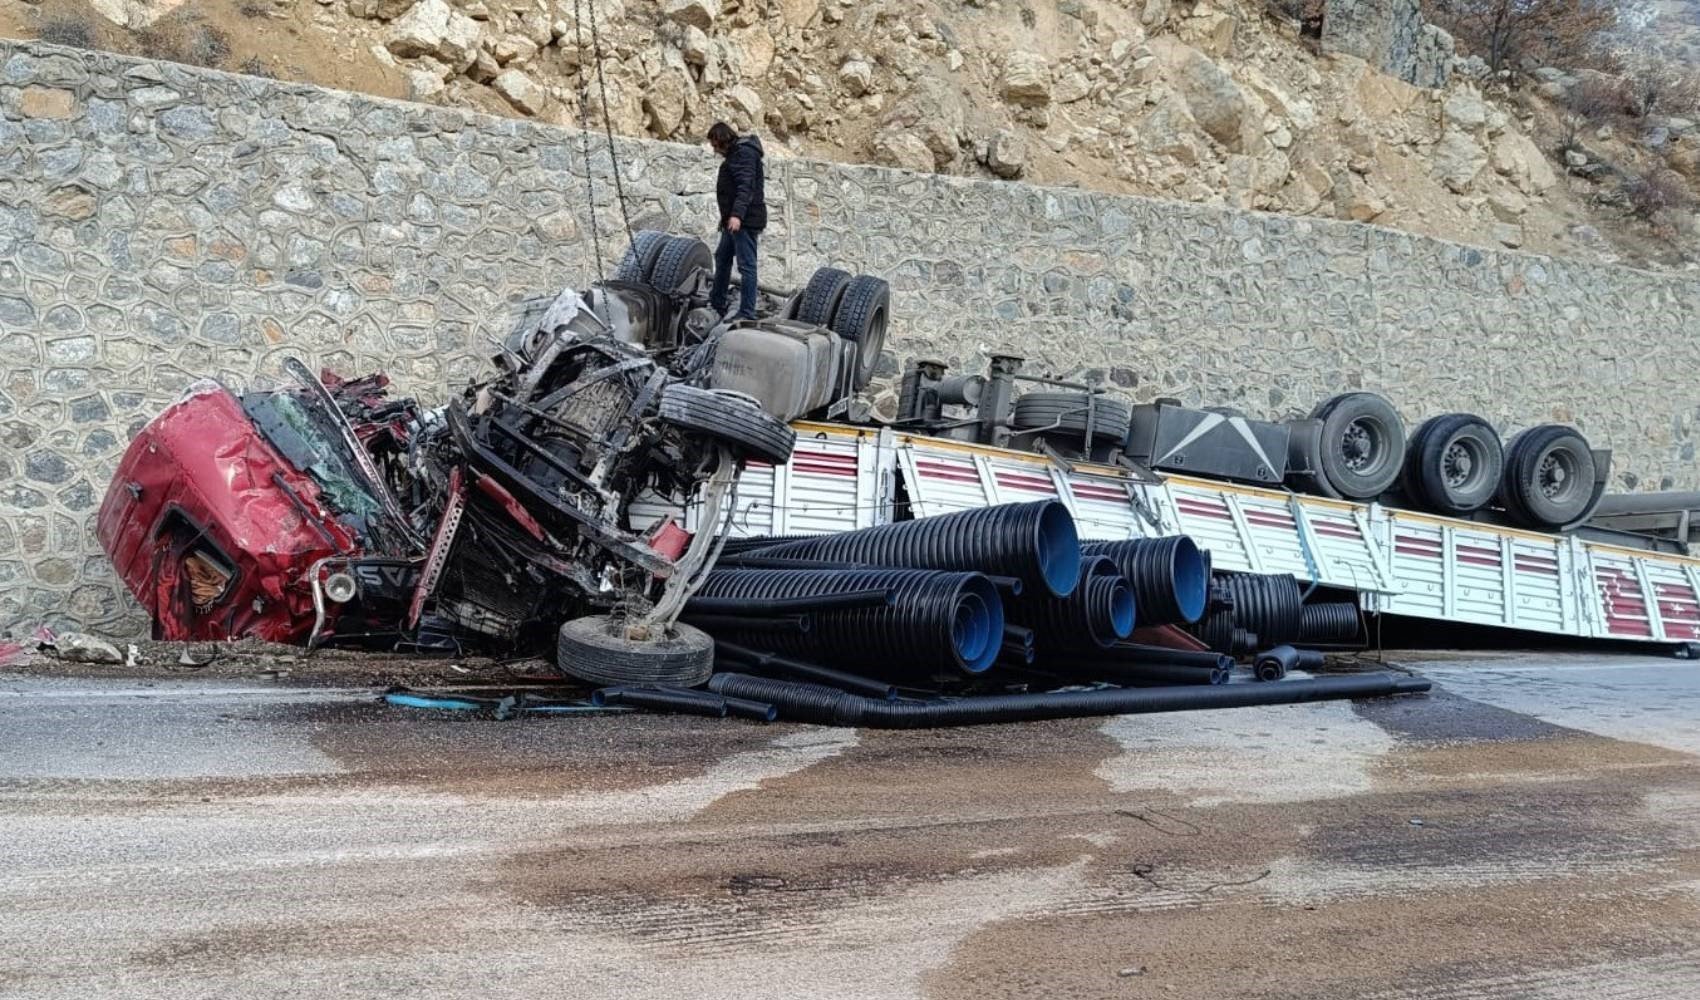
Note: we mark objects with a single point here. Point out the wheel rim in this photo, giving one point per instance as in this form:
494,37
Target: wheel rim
1360,445
1460,464
1556,477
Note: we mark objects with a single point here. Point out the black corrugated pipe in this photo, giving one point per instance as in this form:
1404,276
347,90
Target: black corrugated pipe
873,598
941,618
754,659
1168,575
1331,621
1267,604
1033,541
811,703
1098,612
1138,653
1217,631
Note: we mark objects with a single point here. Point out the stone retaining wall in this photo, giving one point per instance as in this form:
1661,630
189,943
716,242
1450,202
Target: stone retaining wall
159,222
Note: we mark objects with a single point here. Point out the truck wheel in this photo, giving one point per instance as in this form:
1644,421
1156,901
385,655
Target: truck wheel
736,421
681,257
822,295
1363,444
1454,464
595,649
639,259
861,316
1304,459
1549,477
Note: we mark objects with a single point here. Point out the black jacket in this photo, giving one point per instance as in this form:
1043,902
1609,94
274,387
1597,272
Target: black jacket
740,189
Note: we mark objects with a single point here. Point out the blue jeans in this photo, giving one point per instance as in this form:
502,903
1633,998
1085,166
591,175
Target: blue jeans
742,244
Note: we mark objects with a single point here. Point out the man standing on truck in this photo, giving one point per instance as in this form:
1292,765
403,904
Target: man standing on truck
741,192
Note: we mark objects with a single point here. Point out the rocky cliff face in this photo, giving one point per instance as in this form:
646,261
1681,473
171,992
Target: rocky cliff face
1217,101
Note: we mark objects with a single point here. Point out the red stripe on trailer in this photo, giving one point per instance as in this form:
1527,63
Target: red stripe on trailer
1525,565
1097,493
1017,482
1478,552
825,456
1431,543
953,473
1479,561
1217,513
823,470
1335,531
1411,550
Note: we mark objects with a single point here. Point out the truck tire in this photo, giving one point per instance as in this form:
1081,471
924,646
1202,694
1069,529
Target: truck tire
861,316
1363,444
1068,410
681,257
1304,459
593,649
639,258
1454,464
735,421
822,295
1549,477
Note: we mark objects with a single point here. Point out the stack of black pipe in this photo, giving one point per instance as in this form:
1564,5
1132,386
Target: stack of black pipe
869,627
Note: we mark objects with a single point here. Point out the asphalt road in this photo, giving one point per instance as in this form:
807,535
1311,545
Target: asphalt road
1531,830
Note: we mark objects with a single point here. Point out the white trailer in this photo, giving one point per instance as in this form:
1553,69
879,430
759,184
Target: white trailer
1398,562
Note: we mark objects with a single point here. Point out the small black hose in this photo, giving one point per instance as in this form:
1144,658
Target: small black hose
673,700
738,546
813,672
1014,654
1035,542
811,703
1138,653
877,597
800,624
1141,674
1170,581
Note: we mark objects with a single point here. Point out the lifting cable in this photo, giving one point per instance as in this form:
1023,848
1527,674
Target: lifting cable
608,122
585,127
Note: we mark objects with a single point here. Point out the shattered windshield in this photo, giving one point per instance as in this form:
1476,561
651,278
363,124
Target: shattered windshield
311,442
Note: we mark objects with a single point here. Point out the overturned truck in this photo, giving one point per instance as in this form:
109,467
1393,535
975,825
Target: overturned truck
626,492
322,510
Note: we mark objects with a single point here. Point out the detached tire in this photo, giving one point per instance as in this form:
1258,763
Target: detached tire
1067,410
1549,477
1454,464
594,649
861,316
679,260
738,422
639,259
1363,444
822,295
